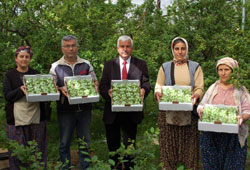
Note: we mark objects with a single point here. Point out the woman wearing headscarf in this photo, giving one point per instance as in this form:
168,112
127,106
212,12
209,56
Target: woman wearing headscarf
179,135
223,151
25,121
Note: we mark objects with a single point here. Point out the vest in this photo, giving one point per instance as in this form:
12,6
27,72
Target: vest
168,68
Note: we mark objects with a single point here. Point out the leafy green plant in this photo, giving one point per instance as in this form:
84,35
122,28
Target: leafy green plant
236,79
143,155
81,87
125,93
29,156
40,85
172,94
224,114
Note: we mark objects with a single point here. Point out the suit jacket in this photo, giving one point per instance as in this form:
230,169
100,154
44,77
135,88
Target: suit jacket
137,71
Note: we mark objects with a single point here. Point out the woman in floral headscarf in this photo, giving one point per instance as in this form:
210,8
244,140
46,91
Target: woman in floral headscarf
224,151
179,135
25,121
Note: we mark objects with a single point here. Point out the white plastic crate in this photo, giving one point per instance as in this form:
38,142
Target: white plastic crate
175,105
214,127
82,99
43,96
218,126
127,107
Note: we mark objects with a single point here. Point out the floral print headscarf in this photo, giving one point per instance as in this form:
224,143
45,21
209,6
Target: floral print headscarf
27,49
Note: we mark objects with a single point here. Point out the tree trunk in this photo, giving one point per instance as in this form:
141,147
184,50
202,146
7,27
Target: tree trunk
158,4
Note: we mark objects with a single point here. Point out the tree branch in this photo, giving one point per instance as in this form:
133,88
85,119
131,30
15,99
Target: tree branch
142,21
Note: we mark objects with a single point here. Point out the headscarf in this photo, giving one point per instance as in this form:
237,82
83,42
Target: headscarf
229,62
172,47
26,49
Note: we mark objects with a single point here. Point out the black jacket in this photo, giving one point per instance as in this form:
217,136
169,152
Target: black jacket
11,89
137,71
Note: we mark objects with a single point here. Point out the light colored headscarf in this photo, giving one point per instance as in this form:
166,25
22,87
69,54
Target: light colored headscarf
172,47
227,61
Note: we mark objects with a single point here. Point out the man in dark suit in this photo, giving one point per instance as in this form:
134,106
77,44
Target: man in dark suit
123,67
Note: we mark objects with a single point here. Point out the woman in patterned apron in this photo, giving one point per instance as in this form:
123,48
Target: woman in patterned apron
25,121
179,135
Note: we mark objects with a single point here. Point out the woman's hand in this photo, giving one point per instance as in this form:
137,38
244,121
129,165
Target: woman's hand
23,88
63,90
96,85
158,96
242,118
200,111
195,97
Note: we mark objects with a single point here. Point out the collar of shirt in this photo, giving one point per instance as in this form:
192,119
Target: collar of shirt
121,64
66,62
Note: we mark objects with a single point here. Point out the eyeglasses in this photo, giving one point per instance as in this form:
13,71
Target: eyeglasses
68,46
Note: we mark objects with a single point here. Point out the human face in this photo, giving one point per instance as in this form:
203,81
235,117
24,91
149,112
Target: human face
224,72
22,60
70,49
180,51
125,49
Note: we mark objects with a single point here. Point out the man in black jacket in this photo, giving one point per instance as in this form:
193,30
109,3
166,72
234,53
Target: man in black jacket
123,67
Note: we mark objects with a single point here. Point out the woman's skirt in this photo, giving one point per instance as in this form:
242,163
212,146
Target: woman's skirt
222,151
178,144
23,134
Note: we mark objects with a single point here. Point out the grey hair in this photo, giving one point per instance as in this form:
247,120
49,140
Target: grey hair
124,38
68,38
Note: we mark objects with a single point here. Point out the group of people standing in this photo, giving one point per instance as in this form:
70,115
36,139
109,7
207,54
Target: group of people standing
179,138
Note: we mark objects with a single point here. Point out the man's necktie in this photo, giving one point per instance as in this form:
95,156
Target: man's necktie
124,71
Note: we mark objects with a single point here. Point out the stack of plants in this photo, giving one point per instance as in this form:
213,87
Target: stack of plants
218,113
39,85
176,95
80,87
126,93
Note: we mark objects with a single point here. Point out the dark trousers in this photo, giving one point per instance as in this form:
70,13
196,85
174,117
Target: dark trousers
68,122
124,124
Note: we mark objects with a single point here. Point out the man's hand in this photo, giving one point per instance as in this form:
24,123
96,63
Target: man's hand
63,90
23,88
110,93
195,97
142,93
158,96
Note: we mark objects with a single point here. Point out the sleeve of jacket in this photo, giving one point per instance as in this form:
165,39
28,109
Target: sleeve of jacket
105,83
11,95
145,78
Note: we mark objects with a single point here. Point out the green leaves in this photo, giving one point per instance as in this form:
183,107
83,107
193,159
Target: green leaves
237,78
172,94
224,114
125,93
36,85
211,28
81,87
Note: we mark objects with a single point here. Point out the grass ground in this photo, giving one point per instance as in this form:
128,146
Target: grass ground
98,144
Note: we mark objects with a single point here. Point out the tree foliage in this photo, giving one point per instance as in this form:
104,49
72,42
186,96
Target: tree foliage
212,28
